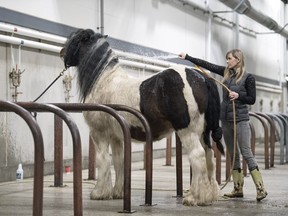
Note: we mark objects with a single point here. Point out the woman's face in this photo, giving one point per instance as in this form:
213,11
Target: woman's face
231,61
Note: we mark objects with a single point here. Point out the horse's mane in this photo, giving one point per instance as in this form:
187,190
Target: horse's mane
91,53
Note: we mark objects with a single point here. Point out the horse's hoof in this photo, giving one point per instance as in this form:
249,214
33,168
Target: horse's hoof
189,201
96,196
117,196
192,202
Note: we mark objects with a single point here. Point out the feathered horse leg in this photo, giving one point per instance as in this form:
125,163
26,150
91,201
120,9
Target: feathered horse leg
200,189
103,187
211,168
118,162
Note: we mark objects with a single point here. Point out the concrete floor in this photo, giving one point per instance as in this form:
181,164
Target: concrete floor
16,197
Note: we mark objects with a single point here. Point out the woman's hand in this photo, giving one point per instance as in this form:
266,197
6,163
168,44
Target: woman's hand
233,95
182,55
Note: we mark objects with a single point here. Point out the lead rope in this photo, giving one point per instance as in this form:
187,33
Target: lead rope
234,121
61,74
34,114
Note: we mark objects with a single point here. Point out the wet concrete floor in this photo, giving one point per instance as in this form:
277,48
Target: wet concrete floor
16,197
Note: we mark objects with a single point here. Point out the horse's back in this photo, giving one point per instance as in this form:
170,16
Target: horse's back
171,98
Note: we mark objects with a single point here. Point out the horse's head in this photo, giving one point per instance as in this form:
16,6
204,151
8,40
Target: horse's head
91,54
77,45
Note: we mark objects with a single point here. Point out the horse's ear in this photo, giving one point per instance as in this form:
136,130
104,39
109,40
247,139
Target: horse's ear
62,53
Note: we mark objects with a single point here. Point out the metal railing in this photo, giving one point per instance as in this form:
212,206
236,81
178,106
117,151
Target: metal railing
269,143
60,110
38,154
77,150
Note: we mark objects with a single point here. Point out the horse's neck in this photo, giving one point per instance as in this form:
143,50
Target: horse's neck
109,83
108,77
111,72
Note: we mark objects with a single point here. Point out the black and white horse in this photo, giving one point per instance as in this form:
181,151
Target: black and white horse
176,99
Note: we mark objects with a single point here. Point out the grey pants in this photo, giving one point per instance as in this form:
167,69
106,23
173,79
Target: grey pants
243,140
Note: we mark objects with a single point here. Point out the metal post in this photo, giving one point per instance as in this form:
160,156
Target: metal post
168,151
58,151
179,173
92,160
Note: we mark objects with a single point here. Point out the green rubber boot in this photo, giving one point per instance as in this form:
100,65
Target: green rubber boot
257,178
238,179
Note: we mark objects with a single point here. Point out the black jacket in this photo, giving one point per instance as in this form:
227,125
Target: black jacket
246,89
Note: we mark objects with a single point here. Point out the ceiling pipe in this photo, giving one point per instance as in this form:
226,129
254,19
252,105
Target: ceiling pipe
207,11
244,7
31,33
132,60
135,61
61,40
29,43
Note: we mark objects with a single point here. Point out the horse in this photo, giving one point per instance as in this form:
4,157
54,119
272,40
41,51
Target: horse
178,99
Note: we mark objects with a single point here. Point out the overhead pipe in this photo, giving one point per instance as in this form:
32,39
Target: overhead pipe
214,16
61,40
31,33
29,43
146,62
150,64
244,7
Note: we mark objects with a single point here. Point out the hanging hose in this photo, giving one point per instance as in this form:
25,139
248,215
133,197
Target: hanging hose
234,121
234,145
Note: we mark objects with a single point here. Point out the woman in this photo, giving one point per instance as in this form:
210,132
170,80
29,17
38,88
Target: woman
243,93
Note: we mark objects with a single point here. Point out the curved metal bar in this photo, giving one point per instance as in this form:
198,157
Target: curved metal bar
58,151
38,155
282,133
79,107
284,115
285,124
77,151
148,149
91,160
286,135
272,136
168,151
253,137
266,144
179,167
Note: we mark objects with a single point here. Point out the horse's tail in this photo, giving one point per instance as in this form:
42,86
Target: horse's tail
212,116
